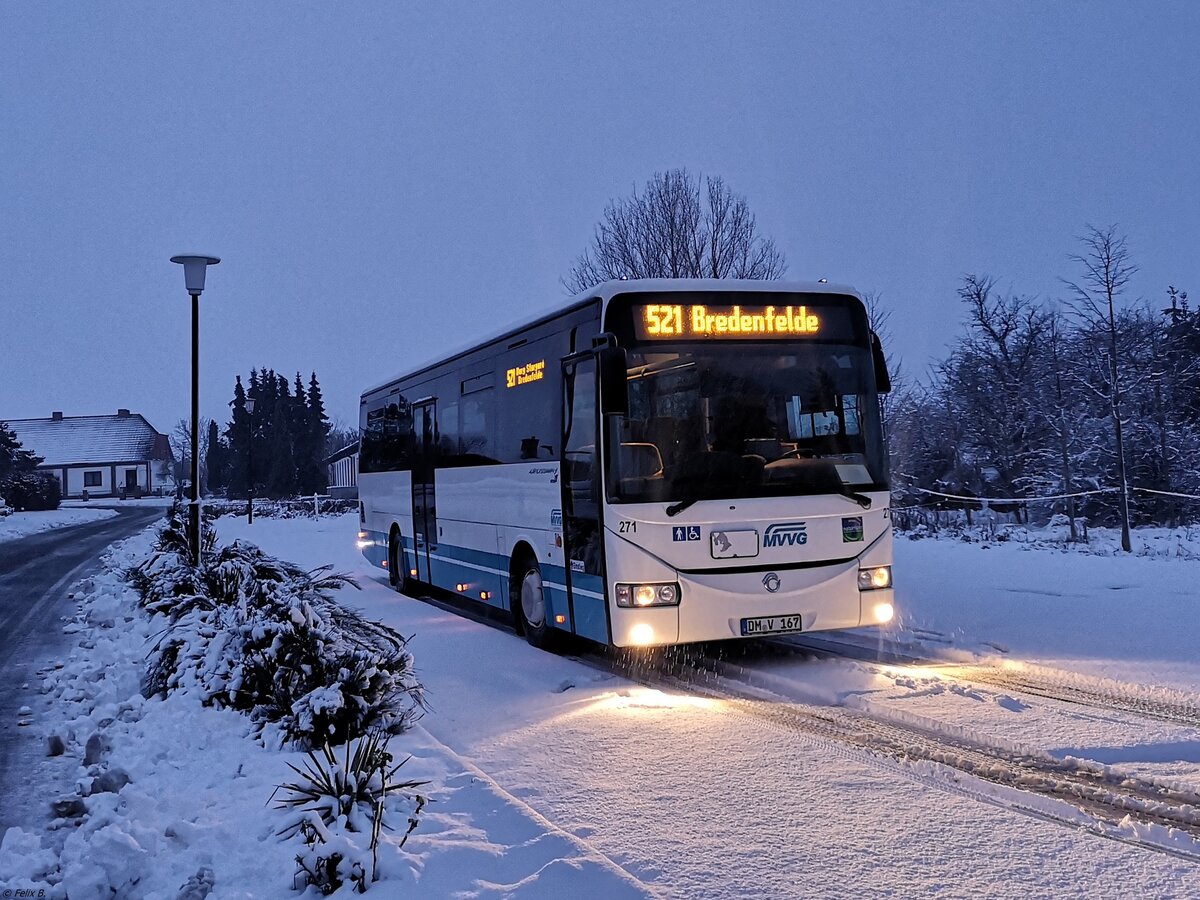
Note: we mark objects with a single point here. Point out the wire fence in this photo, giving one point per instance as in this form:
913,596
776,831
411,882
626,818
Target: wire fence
945,509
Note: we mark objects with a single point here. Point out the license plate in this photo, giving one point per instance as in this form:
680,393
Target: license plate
771,625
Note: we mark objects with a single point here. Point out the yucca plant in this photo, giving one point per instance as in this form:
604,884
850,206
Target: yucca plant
350,795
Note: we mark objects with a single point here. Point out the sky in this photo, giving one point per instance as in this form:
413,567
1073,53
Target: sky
386,180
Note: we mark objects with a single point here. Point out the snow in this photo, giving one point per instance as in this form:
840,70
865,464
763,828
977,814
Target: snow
1133,619
550,778
23,524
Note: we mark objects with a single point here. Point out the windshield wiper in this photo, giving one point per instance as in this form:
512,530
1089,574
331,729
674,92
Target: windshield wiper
676,508
861,499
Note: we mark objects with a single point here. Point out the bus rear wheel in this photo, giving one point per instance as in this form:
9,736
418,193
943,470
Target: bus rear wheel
531,607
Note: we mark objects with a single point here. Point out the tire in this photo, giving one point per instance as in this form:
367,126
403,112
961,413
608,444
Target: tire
531,606
397,573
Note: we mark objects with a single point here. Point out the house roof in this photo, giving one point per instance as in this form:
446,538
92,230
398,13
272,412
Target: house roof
75,440
348,450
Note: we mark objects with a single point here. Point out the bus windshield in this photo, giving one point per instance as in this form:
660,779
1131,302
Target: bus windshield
721,420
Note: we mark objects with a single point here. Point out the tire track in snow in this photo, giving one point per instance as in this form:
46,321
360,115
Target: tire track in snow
1075,793
1164,704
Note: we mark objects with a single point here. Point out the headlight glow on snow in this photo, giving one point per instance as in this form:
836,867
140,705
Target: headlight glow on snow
641,634
875,579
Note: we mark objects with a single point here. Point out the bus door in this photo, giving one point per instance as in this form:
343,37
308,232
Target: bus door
580,481
424,502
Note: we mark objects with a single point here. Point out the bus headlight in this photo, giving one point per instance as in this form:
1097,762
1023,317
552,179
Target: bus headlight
638,595
875,578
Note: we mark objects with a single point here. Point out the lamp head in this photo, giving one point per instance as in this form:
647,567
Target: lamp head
194,268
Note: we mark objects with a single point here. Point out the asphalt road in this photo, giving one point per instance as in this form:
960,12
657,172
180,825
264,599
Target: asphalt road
36,574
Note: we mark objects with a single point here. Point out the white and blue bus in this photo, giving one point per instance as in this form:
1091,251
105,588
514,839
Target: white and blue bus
656,462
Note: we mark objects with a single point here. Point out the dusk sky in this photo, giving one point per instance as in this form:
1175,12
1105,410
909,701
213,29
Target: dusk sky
384,181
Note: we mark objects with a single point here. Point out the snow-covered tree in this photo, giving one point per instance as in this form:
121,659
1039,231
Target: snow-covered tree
1107,269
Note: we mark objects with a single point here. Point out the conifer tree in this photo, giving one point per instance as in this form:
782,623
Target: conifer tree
316,426
214,461
237,438
15,459
286,443
281,468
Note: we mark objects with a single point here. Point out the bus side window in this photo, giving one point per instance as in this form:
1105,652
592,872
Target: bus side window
396,446
476,419
370,454
528,382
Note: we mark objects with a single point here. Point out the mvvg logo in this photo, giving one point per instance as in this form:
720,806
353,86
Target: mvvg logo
786,534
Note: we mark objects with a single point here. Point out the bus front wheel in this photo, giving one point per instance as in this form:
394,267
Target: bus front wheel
531,595
397,575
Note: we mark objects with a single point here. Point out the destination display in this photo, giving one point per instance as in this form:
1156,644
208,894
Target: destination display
526,374
654,321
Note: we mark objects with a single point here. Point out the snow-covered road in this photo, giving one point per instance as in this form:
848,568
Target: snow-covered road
553,776
23,524
696,799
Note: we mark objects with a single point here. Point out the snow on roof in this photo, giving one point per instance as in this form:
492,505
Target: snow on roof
609,289
348,450
75,440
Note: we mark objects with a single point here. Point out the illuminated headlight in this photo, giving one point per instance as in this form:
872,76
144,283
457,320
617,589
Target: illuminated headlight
884,612
874,579
636,595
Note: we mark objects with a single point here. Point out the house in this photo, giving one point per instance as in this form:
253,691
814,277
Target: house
343,473
100,456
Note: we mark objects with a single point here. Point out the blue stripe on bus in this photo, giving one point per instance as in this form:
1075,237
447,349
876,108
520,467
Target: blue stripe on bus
591,620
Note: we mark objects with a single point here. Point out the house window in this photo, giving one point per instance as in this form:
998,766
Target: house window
91,479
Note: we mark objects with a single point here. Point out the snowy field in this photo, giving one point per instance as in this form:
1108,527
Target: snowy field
23,524
550,777
1133,619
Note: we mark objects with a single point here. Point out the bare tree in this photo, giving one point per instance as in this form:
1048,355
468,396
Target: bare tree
880,318
340,435
181,444
993,373
1107,269
678,227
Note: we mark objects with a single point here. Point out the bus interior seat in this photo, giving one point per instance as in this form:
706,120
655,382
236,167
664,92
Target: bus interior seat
640,460
768,448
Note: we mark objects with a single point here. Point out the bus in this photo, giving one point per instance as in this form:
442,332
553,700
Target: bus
655,462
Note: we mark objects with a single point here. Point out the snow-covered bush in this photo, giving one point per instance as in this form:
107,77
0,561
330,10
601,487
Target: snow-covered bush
335,805
252,632
33,491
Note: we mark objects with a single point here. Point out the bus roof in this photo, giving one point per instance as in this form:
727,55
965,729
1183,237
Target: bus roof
605,291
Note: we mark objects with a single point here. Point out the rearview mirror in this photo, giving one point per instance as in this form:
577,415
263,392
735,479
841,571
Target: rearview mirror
614,381
883,380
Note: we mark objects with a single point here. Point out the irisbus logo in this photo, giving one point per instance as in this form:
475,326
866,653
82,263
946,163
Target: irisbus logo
786,534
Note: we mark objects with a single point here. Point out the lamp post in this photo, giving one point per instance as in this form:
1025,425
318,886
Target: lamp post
194,269
250,461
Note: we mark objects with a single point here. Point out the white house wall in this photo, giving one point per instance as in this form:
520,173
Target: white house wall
75,485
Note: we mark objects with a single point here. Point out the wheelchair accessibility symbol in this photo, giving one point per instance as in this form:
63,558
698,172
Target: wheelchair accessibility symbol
685,533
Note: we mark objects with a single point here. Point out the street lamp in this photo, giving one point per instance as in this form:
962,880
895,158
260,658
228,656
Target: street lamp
194,269
250,461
